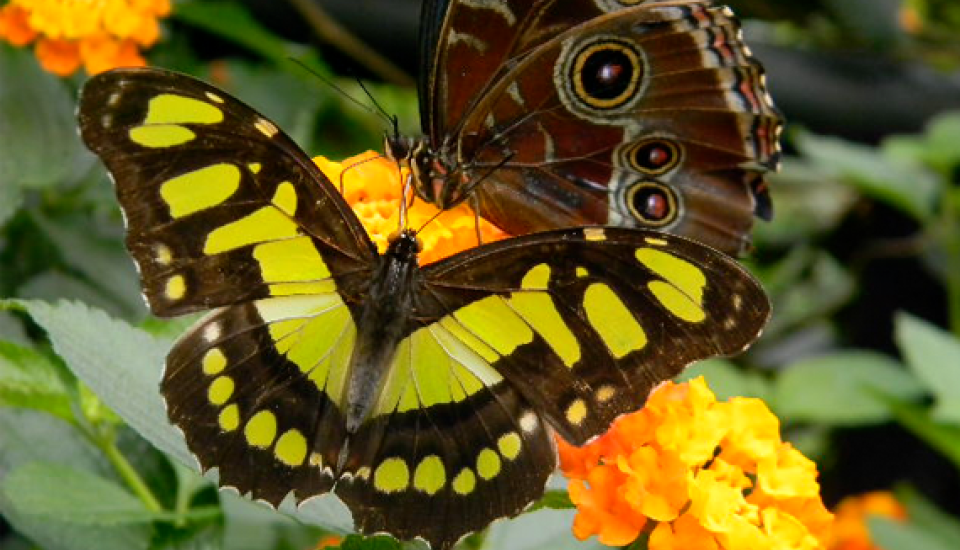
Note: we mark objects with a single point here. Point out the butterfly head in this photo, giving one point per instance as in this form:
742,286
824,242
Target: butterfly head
404,244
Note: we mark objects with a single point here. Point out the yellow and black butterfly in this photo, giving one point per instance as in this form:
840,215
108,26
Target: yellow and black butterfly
425,397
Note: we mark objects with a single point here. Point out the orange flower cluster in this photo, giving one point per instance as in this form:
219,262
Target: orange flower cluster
850,529
372,185
99,34
692,472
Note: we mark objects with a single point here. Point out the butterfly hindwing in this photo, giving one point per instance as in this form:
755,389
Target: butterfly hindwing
256,389
221,206
560,331
587,321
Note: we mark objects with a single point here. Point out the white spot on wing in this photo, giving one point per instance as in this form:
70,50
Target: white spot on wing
497,6
211,333
468,39
528,421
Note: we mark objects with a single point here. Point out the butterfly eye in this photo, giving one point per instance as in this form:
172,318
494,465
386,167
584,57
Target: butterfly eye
653,157
606,74
652,204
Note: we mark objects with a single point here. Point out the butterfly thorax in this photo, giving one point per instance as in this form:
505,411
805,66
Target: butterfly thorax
434,172
382,323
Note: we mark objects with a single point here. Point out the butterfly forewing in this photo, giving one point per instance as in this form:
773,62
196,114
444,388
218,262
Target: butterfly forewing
649,114
221,206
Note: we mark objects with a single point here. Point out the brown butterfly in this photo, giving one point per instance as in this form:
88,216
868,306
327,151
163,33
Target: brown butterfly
555,113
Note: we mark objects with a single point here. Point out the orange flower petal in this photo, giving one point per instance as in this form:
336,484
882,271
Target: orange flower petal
102,35
57,56
15,27
372,185
102,53
850,530
672,458
685,533
657,485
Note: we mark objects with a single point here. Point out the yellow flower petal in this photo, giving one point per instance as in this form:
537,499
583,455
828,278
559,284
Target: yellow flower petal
788,474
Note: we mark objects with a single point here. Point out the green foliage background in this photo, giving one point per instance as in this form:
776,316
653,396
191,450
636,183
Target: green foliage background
87,459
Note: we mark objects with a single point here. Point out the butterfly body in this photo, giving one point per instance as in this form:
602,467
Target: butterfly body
426,398
549,113
383,320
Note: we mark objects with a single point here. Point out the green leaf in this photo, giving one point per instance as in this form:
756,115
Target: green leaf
541,530
12,330
894,535
73,496
123,366
253,526
51,533
29,379
841,388
39,145
900,184
232,22
52,285
29,437
119,363
936,148
808,202
726,380
101,259
554,500
933,354
11,198
926,516
945,438
807,284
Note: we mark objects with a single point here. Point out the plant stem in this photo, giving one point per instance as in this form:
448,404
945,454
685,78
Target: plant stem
951,219
130,476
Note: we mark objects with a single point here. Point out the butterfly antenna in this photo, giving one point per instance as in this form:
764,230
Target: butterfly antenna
378,110
430,220
393,120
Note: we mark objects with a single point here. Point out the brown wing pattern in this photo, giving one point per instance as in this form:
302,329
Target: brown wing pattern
214,194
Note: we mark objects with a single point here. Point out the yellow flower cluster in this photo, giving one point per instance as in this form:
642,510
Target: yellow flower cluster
372,185
850,528
692,472
99,34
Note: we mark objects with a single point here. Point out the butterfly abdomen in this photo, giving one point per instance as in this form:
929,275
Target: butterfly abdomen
383,321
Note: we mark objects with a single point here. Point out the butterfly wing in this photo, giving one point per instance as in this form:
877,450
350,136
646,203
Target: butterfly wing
652,116
213,193
561,331
224,211
451,35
